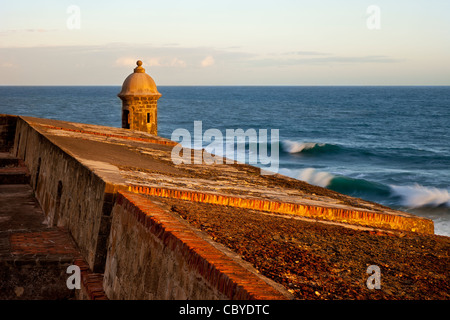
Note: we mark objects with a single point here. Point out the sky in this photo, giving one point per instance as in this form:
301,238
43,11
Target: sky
209,42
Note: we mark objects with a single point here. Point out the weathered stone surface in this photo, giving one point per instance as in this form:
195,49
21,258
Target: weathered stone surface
325,260
154,255
34,256
70,194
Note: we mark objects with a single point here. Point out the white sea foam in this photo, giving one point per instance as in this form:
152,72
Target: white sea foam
417,196
310,175
296,147
318,178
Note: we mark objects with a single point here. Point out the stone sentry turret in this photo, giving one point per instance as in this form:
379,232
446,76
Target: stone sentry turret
139,97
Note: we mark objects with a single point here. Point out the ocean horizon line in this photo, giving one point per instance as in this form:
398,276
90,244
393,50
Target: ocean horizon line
230,85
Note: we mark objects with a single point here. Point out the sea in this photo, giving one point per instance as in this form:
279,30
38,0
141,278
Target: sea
385,144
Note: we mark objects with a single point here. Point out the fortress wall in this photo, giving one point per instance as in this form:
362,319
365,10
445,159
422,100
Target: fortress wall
142,251
140,266
154,255
70,194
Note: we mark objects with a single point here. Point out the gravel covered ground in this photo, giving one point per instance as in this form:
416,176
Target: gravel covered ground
324,261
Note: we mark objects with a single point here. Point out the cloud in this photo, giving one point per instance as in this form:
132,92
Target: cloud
125,61
307,53
109,64
7,64
11,31
208,61
175,62
362,59
331,59
152,62
177,57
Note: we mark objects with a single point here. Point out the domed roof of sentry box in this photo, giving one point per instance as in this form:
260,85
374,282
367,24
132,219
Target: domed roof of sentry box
139,83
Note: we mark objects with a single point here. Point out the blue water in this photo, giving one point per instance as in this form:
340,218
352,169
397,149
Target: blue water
385,144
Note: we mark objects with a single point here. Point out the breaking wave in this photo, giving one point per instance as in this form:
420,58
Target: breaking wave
418,196
410,196
308,147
